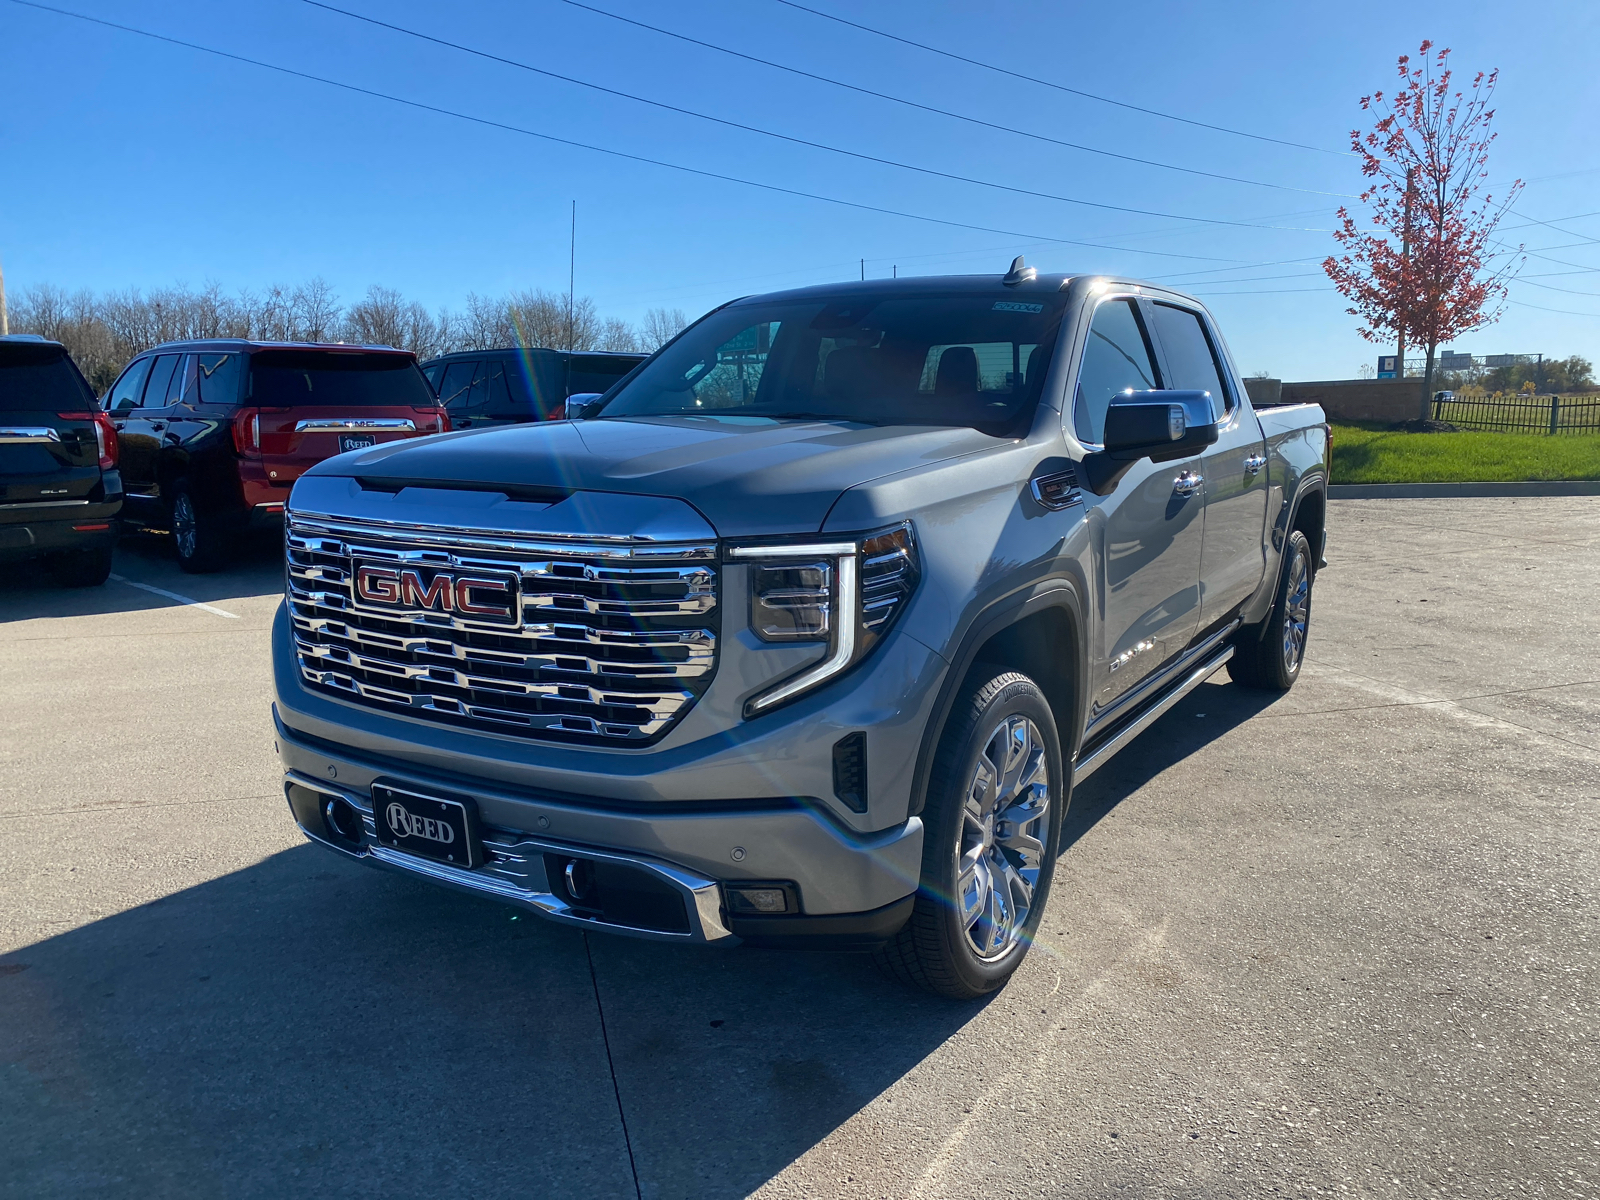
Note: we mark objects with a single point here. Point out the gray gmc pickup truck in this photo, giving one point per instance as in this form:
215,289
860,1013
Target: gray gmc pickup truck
804,632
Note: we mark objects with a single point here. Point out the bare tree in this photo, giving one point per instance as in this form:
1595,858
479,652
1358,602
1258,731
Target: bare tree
617,334
661,325
104,331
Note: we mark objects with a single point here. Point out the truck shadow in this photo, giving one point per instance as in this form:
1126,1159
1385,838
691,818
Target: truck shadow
306,1024
1200,718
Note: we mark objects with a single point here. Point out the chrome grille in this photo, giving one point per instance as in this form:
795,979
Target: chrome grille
614,640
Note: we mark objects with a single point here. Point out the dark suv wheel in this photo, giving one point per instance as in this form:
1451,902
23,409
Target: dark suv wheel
1269,655
993,819
197,535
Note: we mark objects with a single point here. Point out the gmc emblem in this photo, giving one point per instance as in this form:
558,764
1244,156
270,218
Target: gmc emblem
493,599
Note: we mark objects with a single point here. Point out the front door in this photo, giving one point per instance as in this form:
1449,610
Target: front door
138,404
1149,527
1234,467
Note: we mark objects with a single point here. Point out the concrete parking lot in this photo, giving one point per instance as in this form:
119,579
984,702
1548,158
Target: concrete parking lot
1342,942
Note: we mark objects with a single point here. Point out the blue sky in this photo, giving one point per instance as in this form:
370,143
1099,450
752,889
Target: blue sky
126,162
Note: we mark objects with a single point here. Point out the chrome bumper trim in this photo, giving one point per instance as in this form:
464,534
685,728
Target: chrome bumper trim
515,874
359,424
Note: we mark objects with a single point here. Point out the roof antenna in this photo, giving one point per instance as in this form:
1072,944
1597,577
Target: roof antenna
1019,273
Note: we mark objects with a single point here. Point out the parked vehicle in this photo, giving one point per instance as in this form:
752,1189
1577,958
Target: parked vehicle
213,434
805,635
513,385
60,491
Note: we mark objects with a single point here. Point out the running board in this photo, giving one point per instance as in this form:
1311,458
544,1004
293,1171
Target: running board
1088,766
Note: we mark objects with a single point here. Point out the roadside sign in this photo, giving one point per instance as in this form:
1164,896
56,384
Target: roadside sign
1386,365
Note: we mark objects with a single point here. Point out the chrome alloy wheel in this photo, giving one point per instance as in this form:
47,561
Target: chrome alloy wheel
1296,612
1004,819
183,525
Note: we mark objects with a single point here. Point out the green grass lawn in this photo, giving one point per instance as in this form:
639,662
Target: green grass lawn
1370,452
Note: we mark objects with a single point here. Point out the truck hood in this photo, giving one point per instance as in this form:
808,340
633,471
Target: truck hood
749,477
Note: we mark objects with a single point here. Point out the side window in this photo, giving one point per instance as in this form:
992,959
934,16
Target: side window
127,391
218,377
182,381
1116,359
456,386
489,374
434,372
500,402
155,393
1193,360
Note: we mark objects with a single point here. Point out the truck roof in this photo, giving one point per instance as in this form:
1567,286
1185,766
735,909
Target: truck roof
944,285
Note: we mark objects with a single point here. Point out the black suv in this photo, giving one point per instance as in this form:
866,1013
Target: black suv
214,433
60,491
512,385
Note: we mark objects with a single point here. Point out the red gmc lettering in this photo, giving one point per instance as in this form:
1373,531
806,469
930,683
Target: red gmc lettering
414,595
378,585
465,603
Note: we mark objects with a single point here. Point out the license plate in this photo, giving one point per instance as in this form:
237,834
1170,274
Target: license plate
427,826
356,441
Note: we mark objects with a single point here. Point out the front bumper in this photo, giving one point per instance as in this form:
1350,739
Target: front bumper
852,888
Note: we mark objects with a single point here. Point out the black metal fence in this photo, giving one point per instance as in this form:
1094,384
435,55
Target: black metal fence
1500,413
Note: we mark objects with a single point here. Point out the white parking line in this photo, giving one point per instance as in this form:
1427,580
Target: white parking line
150,587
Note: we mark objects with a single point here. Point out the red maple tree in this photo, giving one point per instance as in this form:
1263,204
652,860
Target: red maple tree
1422,270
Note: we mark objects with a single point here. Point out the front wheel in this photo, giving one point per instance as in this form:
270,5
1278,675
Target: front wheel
1269,655
996,796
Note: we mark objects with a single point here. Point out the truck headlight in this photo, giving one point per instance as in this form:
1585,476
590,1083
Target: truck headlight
846,593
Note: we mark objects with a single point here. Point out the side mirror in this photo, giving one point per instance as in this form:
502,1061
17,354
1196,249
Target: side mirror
578,405
1158,425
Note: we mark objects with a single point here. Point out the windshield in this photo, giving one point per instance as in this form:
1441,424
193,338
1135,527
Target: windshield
299,378
34,376
885,360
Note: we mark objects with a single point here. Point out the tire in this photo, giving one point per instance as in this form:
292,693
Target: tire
81,568
964,938
197,535
1269,655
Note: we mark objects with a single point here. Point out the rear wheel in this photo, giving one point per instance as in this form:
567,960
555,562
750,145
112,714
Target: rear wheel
1269,655
995,800
196,534
81,568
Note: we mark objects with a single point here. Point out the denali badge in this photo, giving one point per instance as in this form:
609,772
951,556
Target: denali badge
406,823
490,598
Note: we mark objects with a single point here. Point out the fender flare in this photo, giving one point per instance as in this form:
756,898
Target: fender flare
1054,593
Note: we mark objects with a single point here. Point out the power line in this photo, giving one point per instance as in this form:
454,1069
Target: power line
1265,292
640,158
943,112
1564,311
798,141
1060,87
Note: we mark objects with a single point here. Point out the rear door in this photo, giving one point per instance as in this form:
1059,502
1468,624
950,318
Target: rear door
49,454
313,404
1234,554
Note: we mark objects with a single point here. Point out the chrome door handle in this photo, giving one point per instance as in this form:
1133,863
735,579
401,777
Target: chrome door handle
1188,483
1253,464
